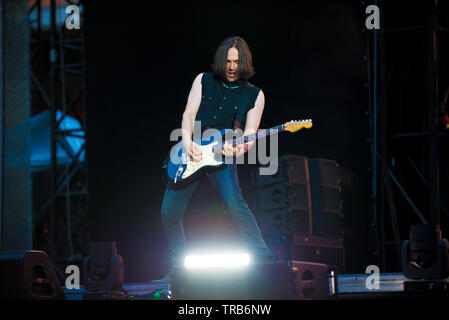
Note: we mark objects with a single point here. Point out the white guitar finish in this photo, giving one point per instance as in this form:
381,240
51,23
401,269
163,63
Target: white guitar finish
208,159
181,169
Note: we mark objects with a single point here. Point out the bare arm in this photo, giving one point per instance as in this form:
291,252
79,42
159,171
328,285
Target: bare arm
188,119
253,118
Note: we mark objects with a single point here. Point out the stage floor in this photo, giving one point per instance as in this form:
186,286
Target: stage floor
345,286
131,291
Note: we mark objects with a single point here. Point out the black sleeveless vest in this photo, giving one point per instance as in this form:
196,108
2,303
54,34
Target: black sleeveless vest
220,102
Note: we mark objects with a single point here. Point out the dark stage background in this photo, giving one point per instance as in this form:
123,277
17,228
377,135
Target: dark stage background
141,61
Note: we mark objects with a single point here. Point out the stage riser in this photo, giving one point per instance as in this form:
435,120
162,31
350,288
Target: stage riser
281,280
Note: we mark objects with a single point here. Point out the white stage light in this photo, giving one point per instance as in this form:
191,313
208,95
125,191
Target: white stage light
217,261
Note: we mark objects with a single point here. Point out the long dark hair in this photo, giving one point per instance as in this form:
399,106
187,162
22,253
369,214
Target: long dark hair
245,70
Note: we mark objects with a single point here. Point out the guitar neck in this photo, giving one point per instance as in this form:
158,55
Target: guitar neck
251,137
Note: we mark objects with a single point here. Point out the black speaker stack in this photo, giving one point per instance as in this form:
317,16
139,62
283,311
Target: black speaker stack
300,210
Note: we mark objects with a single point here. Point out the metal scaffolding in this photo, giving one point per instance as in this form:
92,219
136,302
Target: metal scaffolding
408,158
58,78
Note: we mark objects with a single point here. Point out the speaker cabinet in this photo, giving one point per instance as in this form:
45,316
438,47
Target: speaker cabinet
312,280
314,249
303,197
325,172
289,221
28,275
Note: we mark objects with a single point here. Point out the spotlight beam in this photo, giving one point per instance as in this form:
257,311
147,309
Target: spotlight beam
217,261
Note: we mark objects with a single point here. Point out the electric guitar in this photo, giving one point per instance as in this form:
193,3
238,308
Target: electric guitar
182,170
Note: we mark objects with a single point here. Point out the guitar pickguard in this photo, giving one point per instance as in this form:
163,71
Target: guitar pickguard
209,159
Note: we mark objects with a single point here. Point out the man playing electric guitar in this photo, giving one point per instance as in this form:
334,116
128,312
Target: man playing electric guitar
215,99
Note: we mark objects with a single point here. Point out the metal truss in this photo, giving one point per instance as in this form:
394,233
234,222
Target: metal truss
58,79
405,152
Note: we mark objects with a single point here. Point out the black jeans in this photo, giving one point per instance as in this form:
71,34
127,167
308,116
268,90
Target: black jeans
226,183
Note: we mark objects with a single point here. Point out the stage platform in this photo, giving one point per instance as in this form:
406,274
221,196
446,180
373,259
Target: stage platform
343,287
391,285
131,291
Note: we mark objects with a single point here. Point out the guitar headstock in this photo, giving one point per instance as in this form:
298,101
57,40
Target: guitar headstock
296,125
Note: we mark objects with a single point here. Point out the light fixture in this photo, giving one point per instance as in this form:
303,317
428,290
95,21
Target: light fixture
225,260
426,254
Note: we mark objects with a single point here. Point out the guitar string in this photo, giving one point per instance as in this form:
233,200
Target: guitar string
253,136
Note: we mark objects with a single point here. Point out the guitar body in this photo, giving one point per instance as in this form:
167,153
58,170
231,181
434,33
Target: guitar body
182,171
